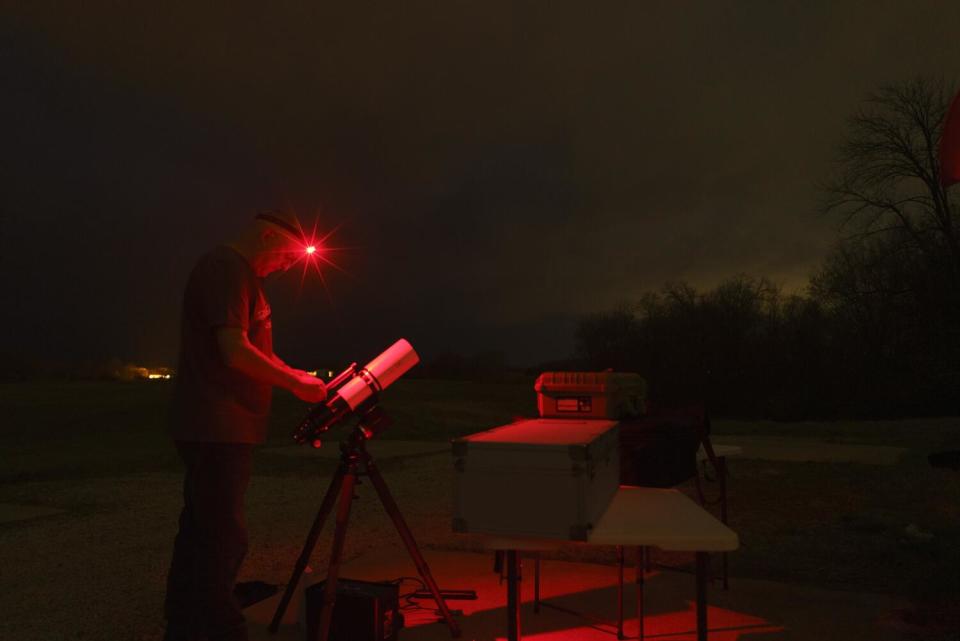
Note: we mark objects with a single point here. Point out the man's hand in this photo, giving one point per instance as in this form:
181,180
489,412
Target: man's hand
308,388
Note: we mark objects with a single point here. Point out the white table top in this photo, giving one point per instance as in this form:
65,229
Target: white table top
663,518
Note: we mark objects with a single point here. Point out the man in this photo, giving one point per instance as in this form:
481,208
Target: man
225,377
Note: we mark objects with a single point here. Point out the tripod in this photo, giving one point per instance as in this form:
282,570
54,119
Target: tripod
355,461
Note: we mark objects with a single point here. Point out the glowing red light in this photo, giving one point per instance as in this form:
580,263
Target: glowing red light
312,250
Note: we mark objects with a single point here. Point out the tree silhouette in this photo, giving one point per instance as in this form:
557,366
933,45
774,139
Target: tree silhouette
887,177
893,283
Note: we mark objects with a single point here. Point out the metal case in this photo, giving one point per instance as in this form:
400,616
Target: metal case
547,478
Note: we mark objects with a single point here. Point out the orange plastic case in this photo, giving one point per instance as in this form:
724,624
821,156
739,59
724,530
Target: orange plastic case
599,395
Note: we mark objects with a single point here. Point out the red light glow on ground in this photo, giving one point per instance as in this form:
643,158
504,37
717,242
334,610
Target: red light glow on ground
724,625
591,590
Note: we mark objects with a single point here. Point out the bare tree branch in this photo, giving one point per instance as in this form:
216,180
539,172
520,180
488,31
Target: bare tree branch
887,171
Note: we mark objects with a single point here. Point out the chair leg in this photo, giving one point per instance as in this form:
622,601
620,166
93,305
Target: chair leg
722,473
700,495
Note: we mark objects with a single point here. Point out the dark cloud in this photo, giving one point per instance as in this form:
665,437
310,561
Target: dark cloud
498,168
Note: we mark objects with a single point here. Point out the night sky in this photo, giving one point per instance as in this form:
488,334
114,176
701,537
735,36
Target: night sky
495,169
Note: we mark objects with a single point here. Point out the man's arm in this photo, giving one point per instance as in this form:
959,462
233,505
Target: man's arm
239,354
276,360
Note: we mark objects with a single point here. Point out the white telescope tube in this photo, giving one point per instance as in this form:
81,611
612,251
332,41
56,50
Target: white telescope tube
379,374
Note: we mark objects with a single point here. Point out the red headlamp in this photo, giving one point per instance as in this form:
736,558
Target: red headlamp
309,248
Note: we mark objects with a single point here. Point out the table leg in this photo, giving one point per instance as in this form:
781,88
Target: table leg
641,567
513,595
536,582
722,473
620,592
701,596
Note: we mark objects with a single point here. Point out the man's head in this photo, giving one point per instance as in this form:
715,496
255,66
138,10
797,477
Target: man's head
273,242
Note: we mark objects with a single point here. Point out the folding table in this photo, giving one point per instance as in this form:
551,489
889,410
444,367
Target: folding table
640,517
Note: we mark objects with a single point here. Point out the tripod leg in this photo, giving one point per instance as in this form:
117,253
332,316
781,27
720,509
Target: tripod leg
391,507
322,632
325,508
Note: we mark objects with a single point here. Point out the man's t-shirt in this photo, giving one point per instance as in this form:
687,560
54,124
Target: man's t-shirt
213,402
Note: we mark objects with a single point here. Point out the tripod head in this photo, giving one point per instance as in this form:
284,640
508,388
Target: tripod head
356,393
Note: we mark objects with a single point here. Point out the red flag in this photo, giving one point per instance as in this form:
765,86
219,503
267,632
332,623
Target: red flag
950,145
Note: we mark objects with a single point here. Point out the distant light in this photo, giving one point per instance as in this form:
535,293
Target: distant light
311,249
329,373
312,372
155,376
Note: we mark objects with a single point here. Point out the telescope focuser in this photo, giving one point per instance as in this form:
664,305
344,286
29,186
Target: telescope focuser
322,416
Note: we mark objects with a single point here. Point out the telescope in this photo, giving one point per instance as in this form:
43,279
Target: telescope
356,392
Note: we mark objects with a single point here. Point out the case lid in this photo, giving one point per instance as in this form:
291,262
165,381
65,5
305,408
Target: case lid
589,382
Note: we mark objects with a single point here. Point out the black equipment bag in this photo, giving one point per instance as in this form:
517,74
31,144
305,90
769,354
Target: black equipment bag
660,449
363,611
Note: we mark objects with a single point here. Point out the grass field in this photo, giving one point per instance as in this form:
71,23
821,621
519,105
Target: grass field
98,453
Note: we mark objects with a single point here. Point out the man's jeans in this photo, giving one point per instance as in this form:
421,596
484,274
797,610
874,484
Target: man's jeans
210,545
